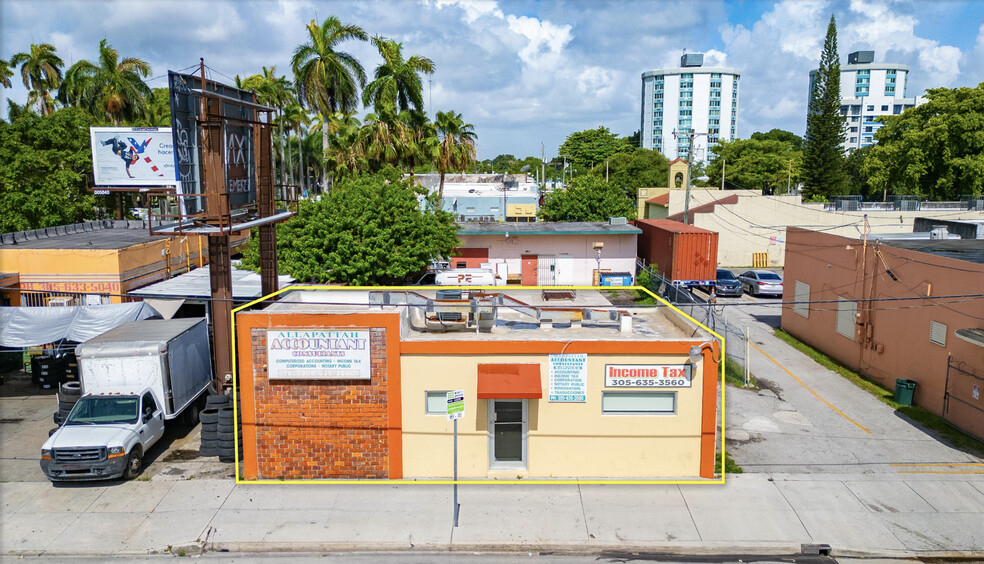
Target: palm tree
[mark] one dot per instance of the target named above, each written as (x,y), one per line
(113,88)
(5,74)
(456,149)
(328,80)
(272,91)
(397,85)
(41,72)
(420,141)
(346,157)
(384,139)
(295,118)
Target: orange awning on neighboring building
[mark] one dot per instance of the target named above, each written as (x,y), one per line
(509,381)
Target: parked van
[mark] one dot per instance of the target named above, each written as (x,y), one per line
(467,277)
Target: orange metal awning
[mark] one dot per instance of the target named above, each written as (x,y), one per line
(509,381)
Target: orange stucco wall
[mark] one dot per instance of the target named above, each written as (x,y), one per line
(891,338)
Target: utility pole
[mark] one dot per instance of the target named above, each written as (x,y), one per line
(724,163)
(606,171)
(789,179)
(690,169)
(543,164)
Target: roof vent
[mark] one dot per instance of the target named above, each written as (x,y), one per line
(617,221)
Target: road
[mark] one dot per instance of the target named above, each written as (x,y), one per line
(807,419)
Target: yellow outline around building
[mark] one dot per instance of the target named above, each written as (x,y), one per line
(235,395)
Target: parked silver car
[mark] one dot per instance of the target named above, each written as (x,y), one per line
(759,282)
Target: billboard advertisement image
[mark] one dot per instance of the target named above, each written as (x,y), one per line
(132,156)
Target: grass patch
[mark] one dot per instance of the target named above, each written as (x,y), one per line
(920,415)
(643,298)
(730,466)
(734,372)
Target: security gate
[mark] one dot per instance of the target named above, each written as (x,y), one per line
(546,270)
(963,399)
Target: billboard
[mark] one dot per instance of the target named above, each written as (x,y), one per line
(237,140)
(132,156)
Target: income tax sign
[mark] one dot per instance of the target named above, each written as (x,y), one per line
(648,375)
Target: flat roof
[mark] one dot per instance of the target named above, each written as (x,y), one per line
(547,228)
(197,285)
(525,316)
(969,250)
(102,235)
(692,70)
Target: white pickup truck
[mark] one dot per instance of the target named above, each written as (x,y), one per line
(104,437)
(134,378)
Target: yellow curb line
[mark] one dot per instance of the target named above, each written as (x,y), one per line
(809,389)
(943,464)
(941,472)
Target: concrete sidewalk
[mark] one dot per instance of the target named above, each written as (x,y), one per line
(873,514)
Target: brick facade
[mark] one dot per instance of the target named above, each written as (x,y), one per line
(318,429)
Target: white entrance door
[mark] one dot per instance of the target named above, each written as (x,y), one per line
(508,434)
(565,270)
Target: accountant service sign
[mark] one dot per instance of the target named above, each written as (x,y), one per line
(318,354)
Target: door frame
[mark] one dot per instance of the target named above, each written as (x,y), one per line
(509,465)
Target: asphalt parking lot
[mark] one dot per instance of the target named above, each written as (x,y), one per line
(26,419)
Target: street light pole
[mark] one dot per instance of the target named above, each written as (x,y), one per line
(690,169)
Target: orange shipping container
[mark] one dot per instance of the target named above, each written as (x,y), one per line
(678,251)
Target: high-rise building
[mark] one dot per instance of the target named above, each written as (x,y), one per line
(868,90)
(692,98)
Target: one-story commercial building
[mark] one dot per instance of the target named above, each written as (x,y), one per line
(354,384)
(549,254)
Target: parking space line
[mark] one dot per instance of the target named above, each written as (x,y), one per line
(809,389)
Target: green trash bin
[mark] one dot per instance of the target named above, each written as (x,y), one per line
(904,390)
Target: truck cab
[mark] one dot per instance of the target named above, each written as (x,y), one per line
(104,437)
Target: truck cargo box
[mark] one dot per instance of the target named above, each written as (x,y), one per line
(171,357)
(679,252)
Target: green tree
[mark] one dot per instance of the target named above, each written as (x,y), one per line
(858,181)
(41,73)
(823,155)
(935,150)
(273,91)
(587,198)
(641,168)
(420,142)
(5,74)
(365,231)
(756,164)
(113,88)
(585,149)
(45,163)
(795,141)
(328,80)
(456,146)
(397,85)
(158,110)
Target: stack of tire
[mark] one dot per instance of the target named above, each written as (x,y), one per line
(50,371)
(68,394)
(220,429)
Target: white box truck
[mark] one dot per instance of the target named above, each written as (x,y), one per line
(134,378)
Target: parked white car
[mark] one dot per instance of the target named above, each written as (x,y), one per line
(759,282)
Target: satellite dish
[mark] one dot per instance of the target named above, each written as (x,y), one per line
(526,168)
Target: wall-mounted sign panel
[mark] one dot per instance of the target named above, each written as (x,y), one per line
(132,156)
(648,375)
(318,354)
(568,378)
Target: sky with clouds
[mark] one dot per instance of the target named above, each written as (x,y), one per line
(528,72)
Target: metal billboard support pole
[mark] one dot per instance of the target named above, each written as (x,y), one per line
(748,360)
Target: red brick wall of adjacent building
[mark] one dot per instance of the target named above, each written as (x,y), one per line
(319,429)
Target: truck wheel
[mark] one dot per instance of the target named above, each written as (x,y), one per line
(190,416)
(134,464)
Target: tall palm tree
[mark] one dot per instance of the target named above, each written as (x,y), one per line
(41,72)
(397,86)
(456,149)
(295,119)
(272,91)
(420,141)
(113,88)
(328,80)
(5,74)
(384,139)
(346,156)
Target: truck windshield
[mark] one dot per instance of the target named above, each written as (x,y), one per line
(104,409)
